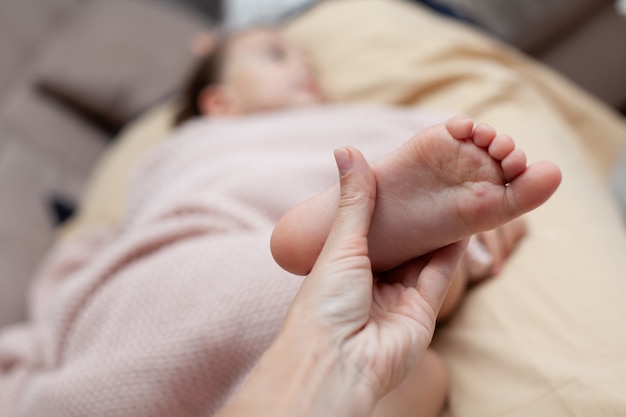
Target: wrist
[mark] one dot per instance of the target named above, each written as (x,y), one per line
(302,380)
(316,381)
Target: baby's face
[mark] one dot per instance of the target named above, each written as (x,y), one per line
(263,71)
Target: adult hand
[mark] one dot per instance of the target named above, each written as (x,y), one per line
(376,329)
(349,338)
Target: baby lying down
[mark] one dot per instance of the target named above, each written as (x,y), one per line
(167,315)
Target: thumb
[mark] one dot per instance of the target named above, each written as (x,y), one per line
(348,236)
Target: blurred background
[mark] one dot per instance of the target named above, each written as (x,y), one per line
(74,73)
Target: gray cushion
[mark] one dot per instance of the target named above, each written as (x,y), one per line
(515,20)
(25,26)
(119,57)
(54,129)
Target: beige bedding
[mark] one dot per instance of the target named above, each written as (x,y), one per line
(546,337)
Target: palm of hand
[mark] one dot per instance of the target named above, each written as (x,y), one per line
(377,330)
(392,335)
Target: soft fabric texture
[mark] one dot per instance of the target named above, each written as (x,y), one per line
(545,337)
(104,200)
(167,315)
(105,66)
(512,20)
(47,146)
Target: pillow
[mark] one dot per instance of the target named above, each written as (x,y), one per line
(118,57)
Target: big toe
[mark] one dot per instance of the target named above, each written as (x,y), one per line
(533,187)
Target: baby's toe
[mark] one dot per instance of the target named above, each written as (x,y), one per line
(513,164)
(460,127)
(483,135)
(501,146)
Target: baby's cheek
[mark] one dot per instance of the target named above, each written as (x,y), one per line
(278,96)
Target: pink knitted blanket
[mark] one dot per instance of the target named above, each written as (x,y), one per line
(167,315)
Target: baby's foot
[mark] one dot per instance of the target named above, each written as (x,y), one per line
(448,182)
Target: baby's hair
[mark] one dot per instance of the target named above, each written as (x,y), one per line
(207,72)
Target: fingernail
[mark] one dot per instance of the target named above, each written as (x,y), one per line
(344,160)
